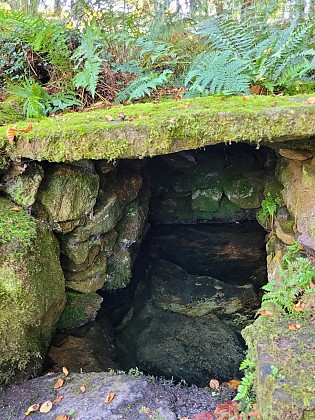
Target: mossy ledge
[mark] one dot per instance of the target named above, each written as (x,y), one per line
(169,126)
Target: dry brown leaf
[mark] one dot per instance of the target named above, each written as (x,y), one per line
(186,105)
(254,413)
(265,312)
(65,371)
(109,118)
(59,383)
(62,417)
(58,399)
(214,384)
(294,327)
(109,397)
(11,132)
(82,388)
(233,383)
(143,116)
(245,98)
(311,101)
(32,408)
(15,209)
(25,130)
(46,407)
(299,306)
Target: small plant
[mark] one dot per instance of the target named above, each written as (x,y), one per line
(245,393)
(296,285)
(269,208)
(275,374)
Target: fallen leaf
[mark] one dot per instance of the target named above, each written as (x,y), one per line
(15,209)
(186,105)
(299,306)
(214,384)
(245,98)
(109,397)
(11,132)
(294,327)
(32,408)
(204,415)
(109,118)
(311,100)
(71,412)
(58,399)
(46,407)
(233,383)
(65,371)
(265,312)
(254,413)
(82,388)
(227,410)
(143,116)
(255,90)
(61,417)
(59,383)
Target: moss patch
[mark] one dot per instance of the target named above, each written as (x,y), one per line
(17,228)
(31,292)
(10,112)
(153,129)
(285,386)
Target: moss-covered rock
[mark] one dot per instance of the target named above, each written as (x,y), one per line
(22,188)
(80,309)
(89,280)
(169,128)
(206,199)
(32,291)
(105,216)
(68,192)
(244,190)
(298,179)
(285,365)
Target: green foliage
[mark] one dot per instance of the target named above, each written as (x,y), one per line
(297,275)
(275,374)
(87,58)
(217,72)
(38,103)
(142,86)
(254,51)
(246,395)
(269,207)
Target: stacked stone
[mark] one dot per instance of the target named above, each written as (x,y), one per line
(220,184)
(98,211)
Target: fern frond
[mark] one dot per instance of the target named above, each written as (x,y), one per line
(216,72)
(142,85)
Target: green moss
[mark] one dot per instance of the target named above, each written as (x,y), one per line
(152,129)
(31,292)
(74,313)
(10,112)
(291,393)
(17,228)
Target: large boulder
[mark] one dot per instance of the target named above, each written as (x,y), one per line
(68,192)
(32,291)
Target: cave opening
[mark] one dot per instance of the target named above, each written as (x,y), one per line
(197,270)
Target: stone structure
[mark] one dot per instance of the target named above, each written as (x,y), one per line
(97,210)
